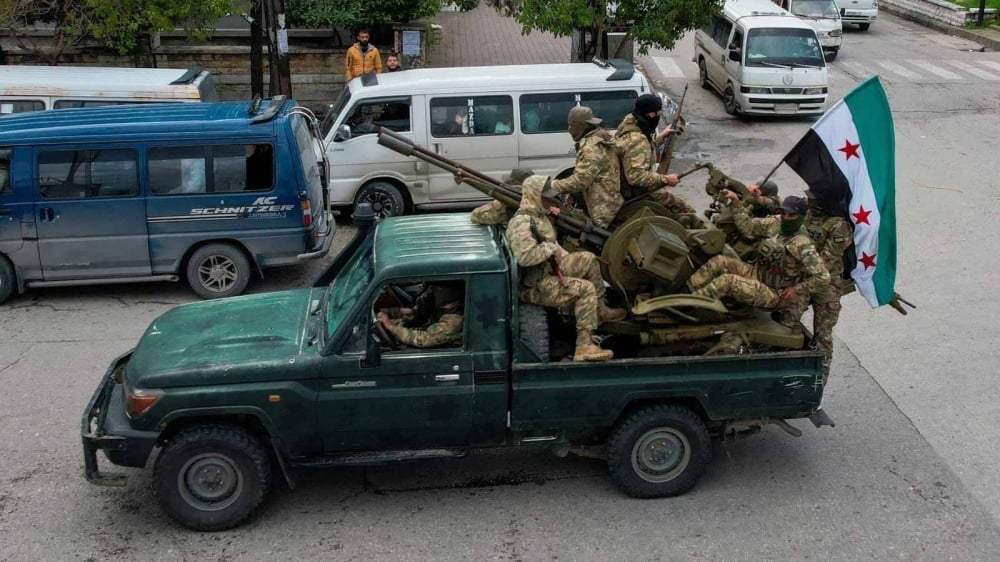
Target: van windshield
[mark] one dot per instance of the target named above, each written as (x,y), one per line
(815,8)
(776,46)
(334,112)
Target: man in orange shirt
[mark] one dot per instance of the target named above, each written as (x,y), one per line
(362,57)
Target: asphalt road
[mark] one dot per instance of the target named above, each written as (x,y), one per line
(877,486)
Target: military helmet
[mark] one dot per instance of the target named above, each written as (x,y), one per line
(770,188)
(517,176)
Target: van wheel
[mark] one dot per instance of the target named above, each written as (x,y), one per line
(729,100)
(385,199)
(218,270)
(212,477)
(864,26)
(659,451)
(7,279)
(703,74)
(829,56)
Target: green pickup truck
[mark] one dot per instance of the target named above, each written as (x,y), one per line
(240,391)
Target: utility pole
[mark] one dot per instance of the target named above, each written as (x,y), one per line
(257,49)
(277,41)
(982,13)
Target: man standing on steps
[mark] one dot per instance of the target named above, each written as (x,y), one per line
(362,57)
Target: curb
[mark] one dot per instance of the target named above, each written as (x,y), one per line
(990,43)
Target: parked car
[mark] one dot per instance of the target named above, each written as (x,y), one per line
(860,12)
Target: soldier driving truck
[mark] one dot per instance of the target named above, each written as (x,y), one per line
(434,320)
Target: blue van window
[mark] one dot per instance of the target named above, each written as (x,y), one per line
(85,174)
(4,170)
(182,170)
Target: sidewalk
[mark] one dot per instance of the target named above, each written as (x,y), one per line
(988,36)
(483,37)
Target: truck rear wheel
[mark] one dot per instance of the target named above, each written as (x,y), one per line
(218,270)
(659,451)
(7,279)
(212,477)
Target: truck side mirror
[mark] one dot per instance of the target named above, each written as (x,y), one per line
(373,351)
(343,133)
(734,53)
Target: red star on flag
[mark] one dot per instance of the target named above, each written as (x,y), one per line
(861,216)
(867,261)
(850,150)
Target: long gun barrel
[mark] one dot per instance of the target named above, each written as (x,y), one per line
(587,231)
(666,152)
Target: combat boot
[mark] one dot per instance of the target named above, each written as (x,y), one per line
(607,314)
(587,351)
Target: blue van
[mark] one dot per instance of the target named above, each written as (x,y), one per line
(210,192)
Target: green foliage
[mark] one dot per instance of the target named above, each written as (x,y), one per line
(352,14)
(117,23)
(649,23)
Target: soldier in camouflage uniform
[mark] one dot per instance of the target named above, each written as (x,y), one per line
(597,174)
(832,236)
(442,303)
(787,266)
(552,277)
(495,212)
(636,140)
(765,198)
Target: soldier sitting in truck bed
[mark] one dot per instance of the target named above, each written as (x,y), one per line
(435,319)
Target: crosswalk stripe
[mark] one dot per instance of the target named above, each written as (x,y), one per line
(973,70)
(857,68)
(936,70)
(668,67)
(992,64)
(899,69)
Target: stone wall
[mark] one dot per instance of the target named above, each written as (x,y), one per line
(933,10)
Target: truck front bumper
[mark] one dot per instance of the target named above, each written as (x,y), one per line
(105,426)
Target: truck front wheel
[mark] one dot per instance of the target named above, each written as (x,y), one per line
(8,280)
(212,477)
(658,451)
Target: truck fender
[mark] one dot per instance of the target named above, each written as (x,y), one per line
(693,399)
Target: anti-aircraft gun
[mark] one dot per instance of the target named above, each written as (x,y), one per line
(647,256)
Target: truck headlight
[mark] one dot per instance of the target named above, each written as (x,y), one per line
(875,5)
(836,33)
(138,401)
(814,91)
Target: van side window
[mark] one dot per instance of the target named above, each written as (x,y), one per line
(183,170)
(545,113)
(612,107)
(479,115)
(737,41)
(368,116)
(720,30)
(85,174)
(5,154)
(20,106)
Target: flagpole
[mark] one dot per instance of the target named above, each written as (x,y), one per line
(778,165)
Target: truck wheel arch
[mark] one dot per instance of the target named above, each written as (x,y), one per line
(637,403)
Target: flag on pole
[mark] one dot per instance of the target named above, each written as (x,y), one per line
(848,158)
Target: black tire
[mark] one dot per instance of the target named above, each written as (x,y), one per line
(703,74)
(647,432)
(8,280)
(729,100)
(830,56)
(385,198)
(864,26)
(230,459)
(216,271)
(533,321)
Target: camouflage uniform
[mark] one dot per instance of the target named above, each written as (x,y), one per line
(532,240)
(832,236)
(597,175)
(636,153)
(447,329)
(495,212)
(783,261)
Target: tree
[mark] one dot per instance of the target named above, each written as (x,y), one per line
(648,23)
(352,14)
(116,24)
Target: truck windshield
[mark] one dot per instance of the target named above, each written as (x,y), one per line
(334,112)
(815,8)
(783,46)
(347,287)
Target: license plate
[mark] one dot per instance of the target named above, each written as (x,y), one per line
(786,107)
(852,13)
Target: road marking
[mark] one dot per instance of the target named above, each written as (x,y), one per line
(948,75)
(989,63)
(899,69)
(857,69)
(668,67)
(973,70)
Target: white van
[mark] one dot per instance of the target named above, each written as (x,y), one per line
(37,88)
(762,59)
(824,17)
(862,12)
(491,118)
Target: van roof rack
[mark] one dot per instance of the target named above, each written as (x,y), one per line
(623,68)
(192,72)
(369,79)
(271,110)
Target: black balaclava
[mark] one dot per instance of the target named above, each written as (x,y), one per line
(647,103)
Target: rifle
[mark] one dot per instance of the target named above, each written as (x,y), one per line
(666,154)
(583,228)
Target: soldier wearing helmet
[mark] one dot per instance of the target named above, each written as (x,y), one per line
(495,212)
(597,173)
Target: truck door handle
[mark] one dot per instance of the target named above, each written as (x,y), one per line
(437,148)
(46,214)
(446,378)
